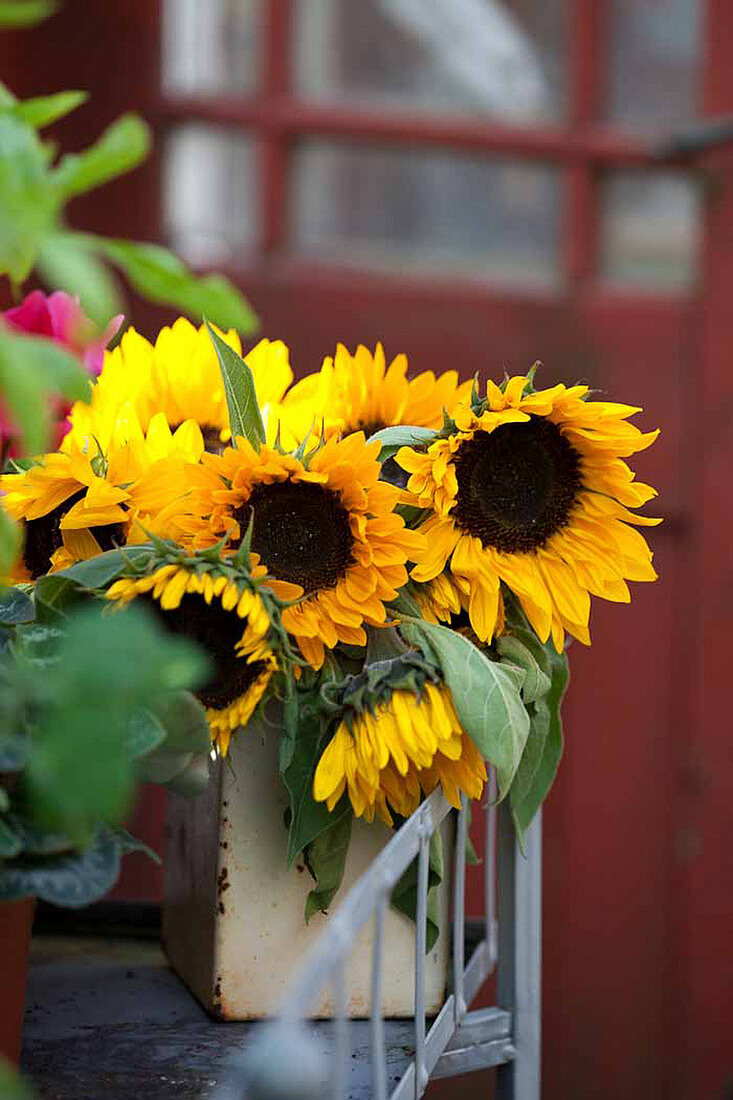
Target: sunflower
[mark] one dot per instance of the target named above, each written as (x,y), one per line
(530,489)
(180,377)
(226,611)
(326,524)
(360,392)
(398,745)
(77,503)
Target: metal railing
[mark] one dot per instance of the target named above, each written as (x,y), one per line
(286,1060)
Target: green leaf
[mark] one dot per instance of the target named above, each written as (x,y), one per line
(43,110)
(545,744)
(25,13)
(29,200)
(486,696)
(54,594)
(308,818)
(10,542)
(100,571)
(404,895)
(10,842)
(516,651)
(15,607)
(32,367)
(162,767)
(245,418)
(402,435)
(12,1085)
(74,879)
(122,146)
(193,779)
(161,277)
(14,750)
(142,732)
(325,858)
(66,264)
(183,720)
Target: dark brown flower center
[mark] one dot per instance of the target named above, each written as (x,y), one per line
(516,485)
(43,537)
(211,435)
(217,632)
(301,532)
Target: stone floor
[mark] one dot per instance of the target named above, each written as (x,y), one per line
(108,1020)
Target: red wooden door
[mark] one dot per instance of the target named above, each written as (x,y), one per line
(365,177)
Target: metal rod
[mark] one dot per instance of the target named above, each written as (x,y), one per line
(518,977)
(421,917)
(341,1053)
(490,871)
(379,1056)
(459,912)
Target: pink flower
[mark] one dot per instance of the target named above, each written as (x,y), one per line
(61,318)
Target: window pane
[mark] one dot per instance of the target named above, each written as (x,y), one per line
(210,46)
(504,58)
(650,231)
(428,212)
(654,61)
(210,198)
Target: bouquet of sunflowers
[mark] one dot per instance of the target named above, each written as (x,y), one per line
(394,564)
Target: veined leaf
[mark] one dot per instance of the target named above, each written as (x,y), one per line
(545,752)
(245,418)
(486,696)
(98,572)
(16,606)
(404,895)
(402,435)
(43,110)
(78,878)
(325,858)
(122,146)
(516,650)
(308,818)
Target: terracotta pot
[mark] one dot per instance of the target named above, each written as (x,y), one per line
(233,925)
(16,918)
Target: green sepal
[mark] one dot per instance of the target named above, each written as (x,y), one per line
(243,557)
(404,894)
(486,695)
(245,418)
(325,858)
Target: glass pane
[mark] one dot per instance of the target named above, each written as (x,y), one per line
(504,58)
(650,230)
(428,211)
(210,193)
(210,46)
(654,61)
